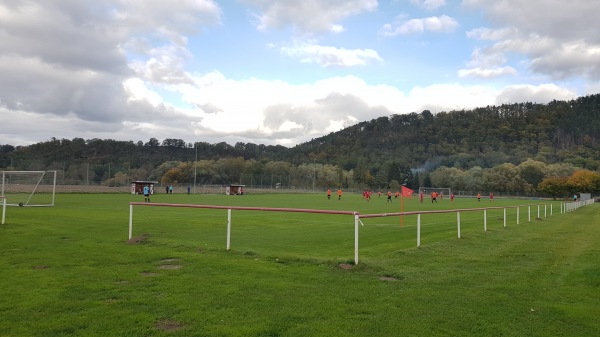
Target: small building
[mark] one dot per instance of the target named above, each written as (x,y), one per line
(234,189)
(137,187)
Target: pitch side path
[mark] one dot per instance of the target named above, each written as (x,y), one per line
(70,270)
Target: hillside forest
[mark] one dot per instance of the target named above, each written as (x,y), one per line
(526,148)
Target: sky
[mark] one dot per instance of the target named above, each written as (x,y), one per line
(278,71)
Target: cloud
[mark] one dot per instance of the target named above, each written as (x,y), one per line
(564,22)
(487,72)
(429,5)
(491,34)
(447,97)
(435,24)
(307,16)
(262,111)
(328,56)
(551,39)
(487,64)
(537,94)
(69,60)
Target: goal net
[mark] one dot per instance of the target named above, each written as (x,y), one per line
(29,188)
(443,192)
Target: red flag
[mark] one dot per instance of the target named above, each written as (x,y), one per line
(407,192)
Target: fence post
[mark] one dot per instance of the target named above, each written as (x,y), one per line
(505,217)
(528,213)
(550,209)
(356,220)
(458,222)
(538,211)
(3,210)
(130,221)
(545,211)
(228,228)
(418,230)
(485,220)
(518,211)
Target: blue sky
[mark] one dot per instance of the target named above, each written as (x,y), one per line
(278,72)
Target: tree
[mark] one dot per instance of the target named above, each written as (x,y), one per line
(171,142)
(503,178)
(427,181)
(393,172)
(361,174)
(532,172)
(554,186)
(473,179)
(451,177)
(380,179)
(153,142)
(584,181)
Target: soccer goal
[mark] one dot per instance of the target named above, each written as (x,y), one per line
(29,188)
(443,192)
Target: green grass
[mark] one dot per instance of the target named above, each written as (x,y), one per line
(69,271)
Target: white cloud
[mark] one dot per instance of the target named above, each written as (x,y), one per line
(308,16)
(435,24)
(554,18)
(328,56)
(555,39)
(491,34)
(537,94)
(487,72)
(447,97)
(138,91)
(429,4)
(487,64)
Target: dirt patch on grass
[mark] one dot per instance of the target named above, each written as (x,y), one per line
(345,266)
(388,279)
(136,240)
(168,325)
(170,266)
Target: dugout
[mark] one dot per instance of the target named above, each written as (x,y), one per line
(137,187)
(234,189)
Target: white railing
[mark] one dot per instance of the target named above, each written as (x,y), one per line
(565,207)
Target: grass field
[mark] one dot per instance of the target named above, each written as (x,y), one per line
(69,270)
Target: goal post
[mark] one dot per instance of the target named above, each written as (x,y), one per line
(442,191)
(29,188)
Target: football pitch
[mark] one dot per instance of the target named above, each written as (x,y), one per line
(70,270)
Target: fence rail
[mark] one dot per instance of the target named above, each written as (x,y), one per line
(564,207)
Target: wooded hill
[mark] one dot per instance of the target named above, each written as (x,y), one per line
(560,131)
(557,132)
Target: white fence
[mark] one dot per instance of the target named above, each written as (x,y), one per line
(565,207)
(3,209)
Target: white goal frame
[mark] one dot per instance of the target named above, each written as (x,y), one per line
(32,188)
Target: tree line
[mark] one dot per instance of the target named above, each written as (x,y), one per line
(501,148)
